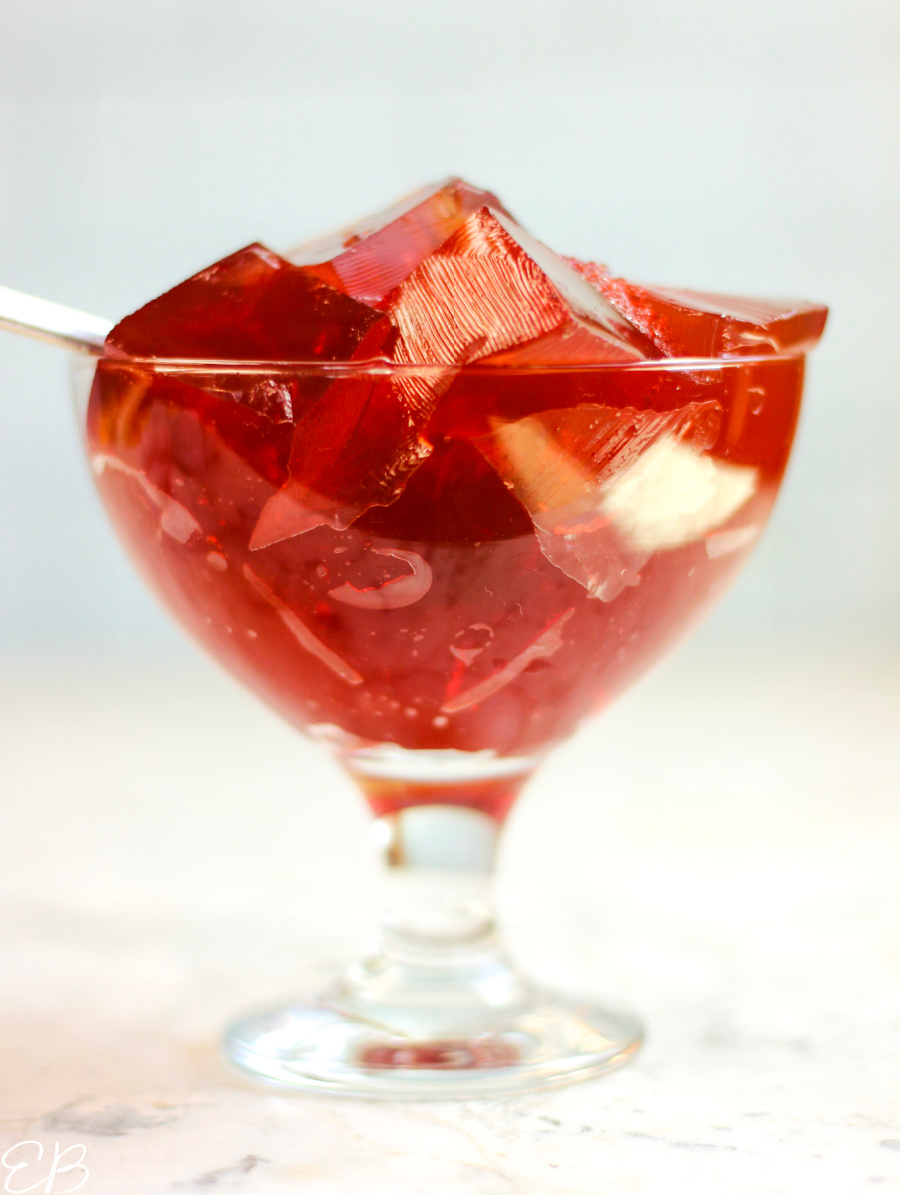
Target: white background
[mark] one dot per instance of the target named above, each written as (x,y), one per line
(744,147)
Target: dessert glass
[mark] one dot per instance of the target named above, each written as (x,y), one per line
(441,645)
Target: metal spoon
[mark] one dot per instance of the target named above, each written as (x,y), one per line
(52,322)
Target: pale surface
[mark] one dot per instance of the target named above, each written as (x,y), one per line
(721,851)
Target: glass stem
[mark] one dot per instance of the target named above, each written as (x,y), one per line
(435,971)
(438,879)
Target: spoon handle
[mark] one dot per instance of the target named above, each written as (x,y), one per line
(63,326)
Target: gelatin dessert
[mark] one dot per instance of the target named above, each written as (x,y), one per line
(429,486)
(437,494)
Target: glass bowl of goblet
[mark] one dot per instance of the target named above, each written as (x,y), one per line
(559,528)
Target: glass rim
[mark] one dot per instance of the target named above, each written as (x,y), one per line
(380,366)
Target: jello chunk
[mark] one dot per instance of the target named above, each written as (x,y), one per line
(371,257)
(607,487)
(355,448)
(491,286)
(688,323)
(253,305)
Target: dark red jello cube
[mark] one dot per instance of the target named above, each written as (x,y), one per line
(253,305)
(690,323)
(353,449)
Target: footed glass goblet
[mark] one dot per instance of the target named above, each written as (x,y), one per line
(568,524)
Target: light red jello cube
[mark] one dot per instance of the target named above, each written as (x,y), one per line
(492,287)
(369,258)
(252,305)
(689,323)
(608,487)
(488,288)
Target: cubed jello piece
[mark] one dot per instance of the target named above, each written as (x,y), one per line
(689,323)
(607,487)
(252,305)
(492,287)
(369,258)
(353,449)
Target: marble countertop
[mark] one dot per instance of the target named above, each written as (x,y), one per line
(720,851)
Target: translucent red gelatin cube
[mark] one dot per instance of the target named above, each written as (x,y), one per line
(164,416)
(556,460)
(371,257)
(689,323)
(252,305)
(608,487)
(490,287)
(355,448)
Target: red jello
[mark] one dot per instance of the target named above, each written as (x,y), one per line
(253,305)
(472,555)
(492,647)
(489,288)
(371,257)
(693,323)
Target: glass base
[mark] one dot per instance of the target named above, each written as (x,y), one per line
(428,1039)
